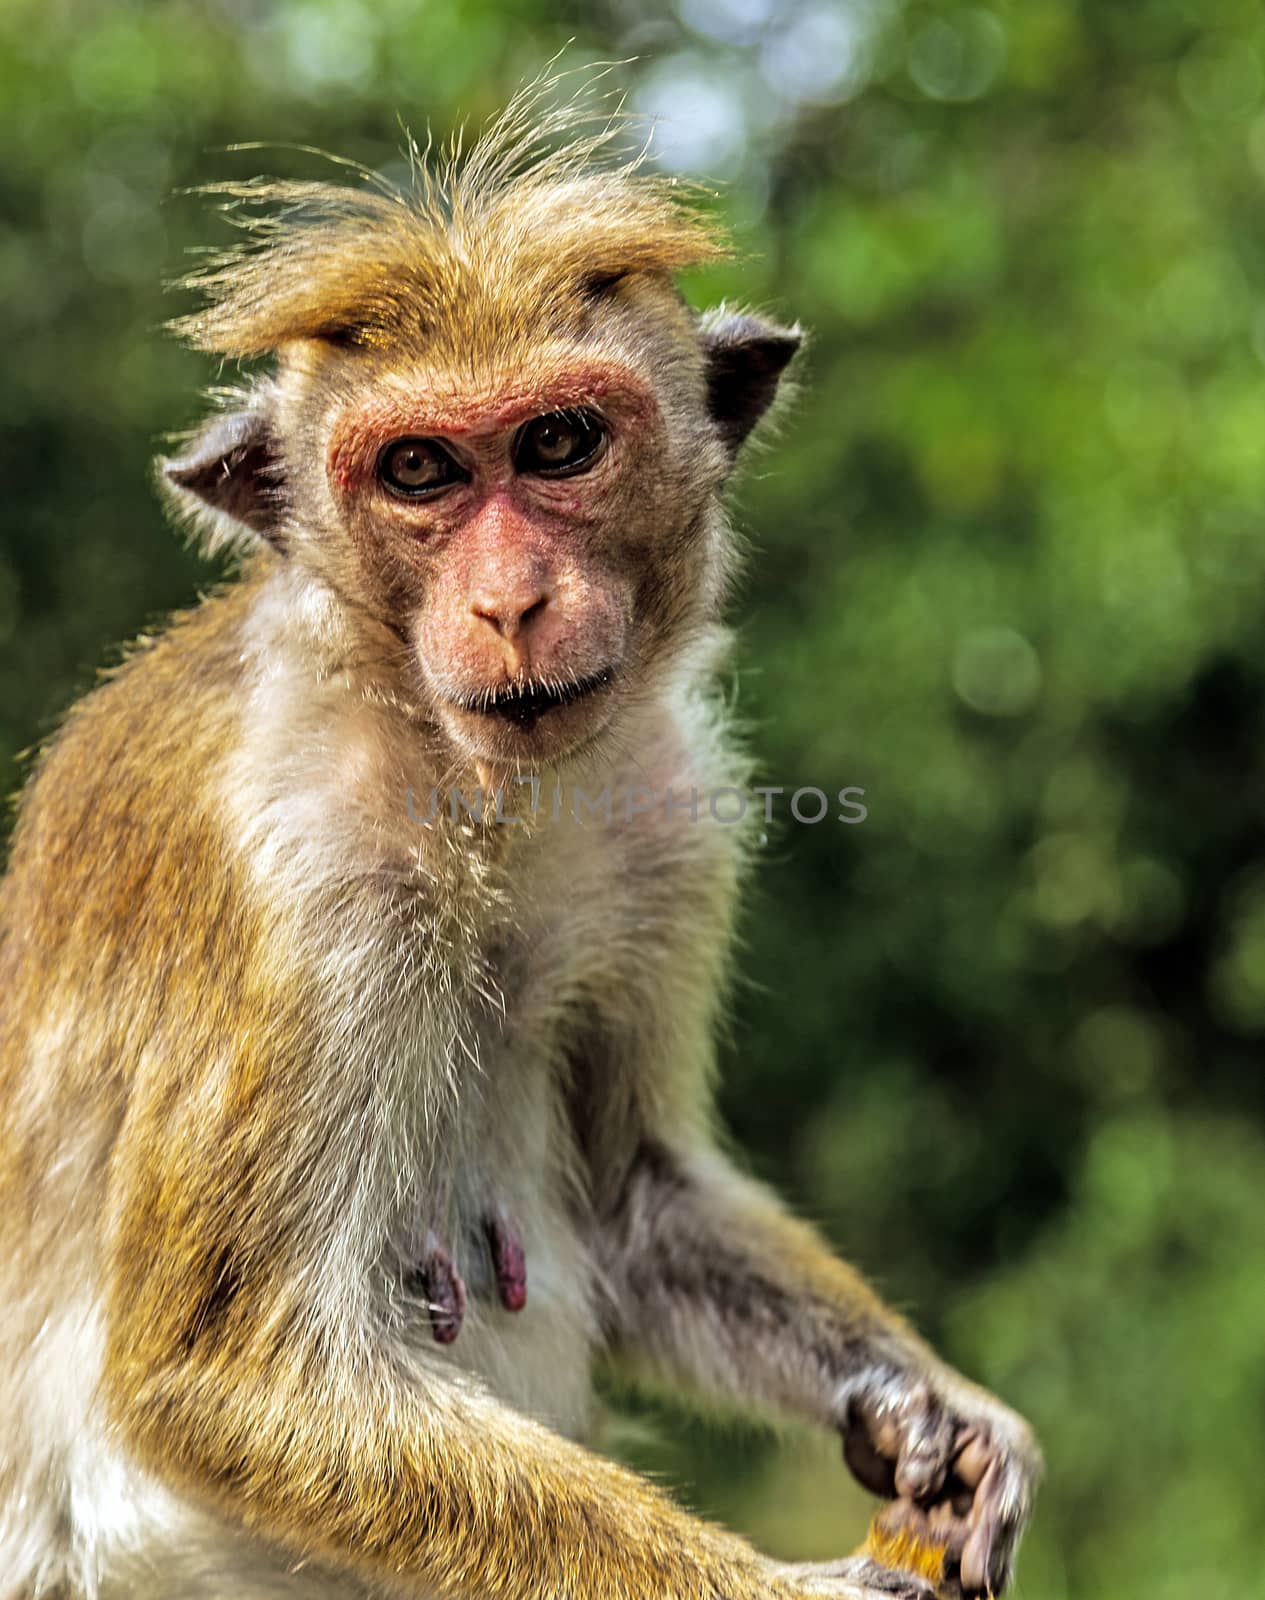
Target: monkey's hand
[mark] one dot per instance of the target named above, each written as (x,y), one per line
(856,1578)
(959,1467)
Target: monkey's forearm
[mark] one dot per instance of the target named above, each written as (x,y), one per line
(387,1472)
(717,1284)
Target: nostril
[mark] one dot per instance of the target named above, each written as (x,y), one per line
(508,616)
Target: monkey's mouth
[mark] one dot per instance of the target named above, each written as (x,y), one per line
(523,704)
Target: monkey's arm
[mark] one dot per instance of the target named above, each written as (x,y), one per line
(245,1361)
(716,1283)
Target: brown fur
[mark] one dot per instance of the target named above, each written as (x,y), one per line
(377,264)
(265,1039)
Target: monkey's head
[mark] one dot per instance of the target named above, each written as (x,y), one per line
(494,430)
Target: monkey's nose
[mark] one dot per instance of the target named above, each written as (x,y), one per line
(509,611)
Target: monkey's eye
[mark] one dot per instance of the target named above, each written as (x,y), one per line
(559,444)
(418,467)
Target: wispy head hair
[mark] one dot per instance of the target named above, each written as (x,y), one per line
(552,203)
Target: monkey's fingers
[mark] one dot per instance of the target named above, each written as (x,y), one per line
(900,1445)
(999,1508)
(870,1448)
(928,1441)
(975,1521)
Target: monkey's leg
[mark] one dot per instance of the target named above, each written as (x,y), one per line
(192,1555)
(718,1284)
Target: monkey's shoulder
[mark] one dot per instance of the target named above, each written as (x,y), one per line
(121,779)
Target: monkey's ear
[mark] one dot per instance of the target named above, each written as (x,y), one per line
(745,357)
(232,469)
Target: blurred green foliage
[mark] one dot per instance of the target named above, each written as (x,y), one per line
(1007,573)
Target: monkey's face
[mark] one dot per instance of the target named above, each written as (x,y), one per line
(536,539)
(535,516)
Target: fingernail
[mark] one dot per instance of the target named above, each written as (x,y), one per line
(974,1564)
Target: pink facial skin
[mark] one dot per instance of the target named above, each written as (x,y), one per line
(476,419)
(503,579)
(508,1260)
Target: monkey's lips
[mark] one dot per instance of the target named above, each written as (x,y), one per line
(522,705)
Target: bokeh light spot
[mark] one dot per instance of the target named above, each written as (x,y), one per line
(997,672)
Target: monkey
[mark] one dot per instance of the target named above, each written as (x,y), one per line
(339,1149)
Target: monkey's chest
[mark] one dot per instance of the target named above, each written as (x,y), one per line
(515,1291)
(502,1279)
